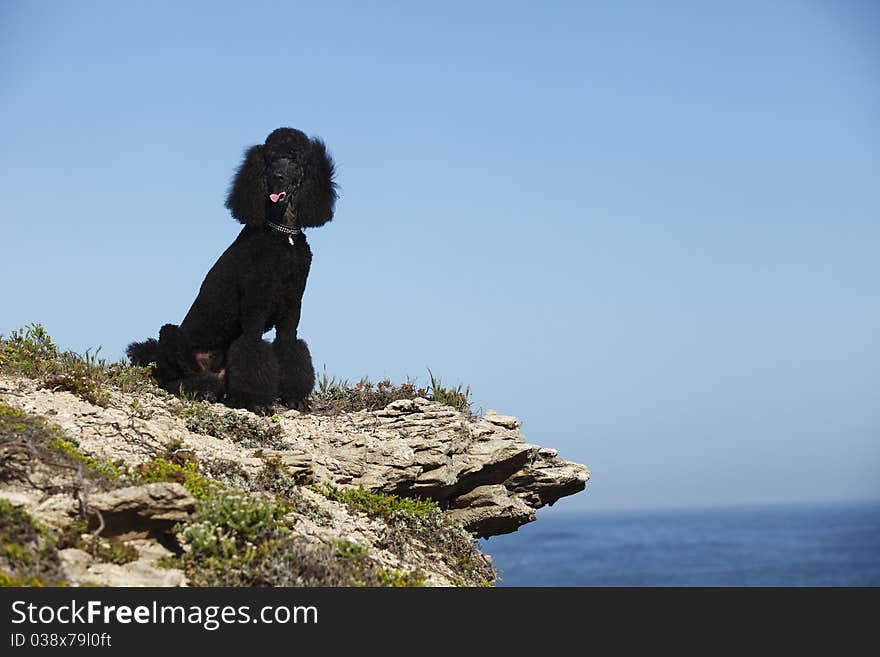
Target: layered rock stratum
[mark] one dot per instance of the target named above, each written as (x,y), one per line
(484,476)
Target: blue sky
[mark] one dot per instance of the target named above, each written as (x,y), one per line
(650,232)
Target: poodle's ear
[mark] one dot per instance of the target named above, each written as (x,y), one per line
(317,196)
(247,193)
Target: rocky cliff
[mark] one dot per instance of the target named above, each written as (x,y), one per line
(141,488)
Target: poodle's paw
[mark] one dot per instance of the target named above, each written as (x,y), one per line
(254,407)
(261,409)
(301,405)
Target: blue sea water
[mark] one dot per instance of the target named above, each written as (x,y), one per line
(823,545)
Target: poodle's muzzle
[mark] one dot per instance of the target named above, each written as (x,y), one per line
(283,179)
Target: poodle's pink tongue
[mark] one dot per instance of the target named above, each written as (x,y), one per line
(277,197)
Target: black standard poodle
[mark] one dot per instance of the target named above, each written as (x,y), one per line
(218,352)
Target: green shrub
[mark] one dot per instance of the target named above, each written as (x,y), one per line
(187,474)
(455,397)
(333,396)
(241,540)
(104,549)
(454,546)
(236,539)
(400,578)
(377,504)
(349,549)
(248,431)
(28,553)
(241,519)
(78,382)
(113,550)
(26,440)
(30,351)
(96,467)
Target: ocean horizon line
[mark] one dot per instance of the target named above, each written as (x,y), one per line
(721,506)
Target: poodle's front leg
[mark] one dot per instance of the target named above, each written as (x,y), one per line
(251,373)
(296,375)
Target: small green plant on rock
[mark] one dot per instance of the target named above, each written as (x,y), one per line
(28,552)
(96,467)
(333,396)
(176,464)
(113,550)
(158,469)
(349,549)
(377,504)
(457,398)
(105,549)
(84,376)
(29,351)
(230,534)
(28,441)
(400,578)
(248,431)
(248,540)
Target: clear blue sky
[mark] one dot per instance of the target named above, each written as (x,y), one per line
(650,230)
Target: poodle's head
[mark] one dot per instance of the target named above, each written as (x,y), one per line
(289,180)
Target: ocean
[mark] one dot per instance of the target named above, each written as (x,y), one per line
(798,545)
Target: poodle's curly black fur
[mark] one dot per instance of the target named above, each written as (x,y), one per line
(218,351)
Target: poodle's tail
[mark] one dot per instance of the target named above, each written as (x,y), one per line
(144,353)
